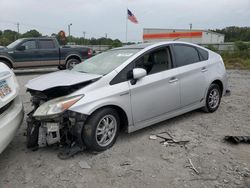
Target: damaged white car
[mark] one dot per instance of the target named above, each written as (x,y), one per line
(11,107)
(130,87)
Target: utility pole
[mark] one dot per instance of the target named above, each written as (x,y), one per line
(190,26)
(17,24)
(69,29)
(106,35)
(84,33)
(18,27)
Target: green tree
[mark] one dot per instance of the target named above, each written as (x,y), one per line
(234,33)
(31,33)
(7,37)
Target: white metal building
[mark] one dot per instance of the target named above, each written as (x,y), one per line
(194,36)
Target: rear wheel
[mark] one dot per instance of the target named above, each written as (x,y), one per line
(71,63)
(101,129)
(213,98)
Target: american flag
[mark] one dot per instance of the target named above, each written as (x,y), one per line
(132,17)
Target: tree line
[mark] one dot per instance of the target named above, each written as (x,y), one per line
(9,36)
(232,34)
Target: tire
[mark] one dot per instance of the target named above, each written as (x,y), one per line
(94,130)
(213,98)
(6,63)
(71,63)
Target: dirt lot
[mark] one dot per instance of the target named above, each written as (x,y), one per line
(136,161)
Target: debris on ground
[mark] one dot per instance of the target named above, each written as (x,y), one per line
(167,139)
(192,166)
(237,139)
(84,165)
(125,163)
(152,137)
(68,152)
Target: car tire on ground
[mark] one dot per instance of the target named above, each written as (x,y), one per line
(213,98)
(101,129)
(71,63)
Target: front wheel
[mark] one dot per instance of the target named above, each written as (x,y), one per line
(213,98)
(101,129)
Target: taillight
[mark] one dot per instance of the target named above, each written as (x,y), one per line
(89,52)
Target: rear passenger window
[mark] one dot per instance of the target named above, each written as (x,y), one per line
(46,44)
(185,55)
(203,54)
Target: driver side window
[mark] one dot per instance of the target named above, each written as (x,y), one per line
(29,45)
(155,61)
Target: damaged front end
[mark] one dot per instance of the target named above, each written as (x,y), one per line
(51,122)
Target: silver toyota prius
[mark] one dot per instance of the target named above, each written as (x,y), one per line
(131,87)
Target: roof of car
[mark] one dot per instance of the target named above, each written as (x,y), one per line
(145,45)
(136,46)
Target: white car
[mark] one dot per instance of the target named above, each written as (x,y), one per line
(11,107)
(130,87)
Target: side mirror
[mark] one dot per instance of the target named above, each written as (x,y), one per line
(139,73)
(20,48)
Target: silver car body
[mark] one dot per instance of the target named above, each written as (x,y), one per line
(153,98)
(11,107)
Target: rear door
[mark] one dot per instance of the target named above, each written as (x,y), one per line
(48,52)
(157,93)
(192,70)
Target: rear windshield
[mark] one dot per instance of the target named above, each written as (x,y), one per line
(105,62)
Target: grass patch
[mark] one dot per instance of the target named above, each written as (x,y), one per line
(237,59)
(237,63)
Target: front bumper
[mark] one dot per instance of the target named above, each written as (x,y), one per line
(10,121)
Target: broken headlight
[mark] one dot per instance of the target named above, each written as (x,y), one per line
(56,106)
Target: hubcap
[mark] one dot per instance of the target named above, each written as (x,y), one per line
(106,130)
(71,65)
(213,98)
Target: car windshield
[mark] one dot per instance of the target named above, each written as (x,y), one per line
(105,62)
(13,44)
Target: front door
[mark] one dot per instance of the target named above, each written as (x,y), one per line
(157,93)
(26,54)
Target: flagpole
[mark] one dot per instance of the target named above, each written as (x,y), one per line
(127,25)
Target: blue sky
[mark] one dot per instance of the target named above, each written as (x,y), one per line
(97,17)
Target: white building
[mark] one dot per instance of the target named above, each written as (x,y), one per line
(194,36)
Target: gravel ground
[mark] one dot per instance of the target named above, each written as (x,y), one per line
(137,161)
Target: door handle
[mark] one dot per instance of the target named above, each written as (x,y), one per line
(204,69)
(173,79)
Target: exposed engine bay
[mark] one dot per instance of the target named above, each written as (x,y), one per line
(64,130)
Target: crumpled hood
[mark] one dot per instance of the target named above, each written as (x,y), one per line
(60,78)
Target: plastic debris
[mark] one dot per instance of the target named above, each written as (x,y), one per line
(84,165)
(152,137)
